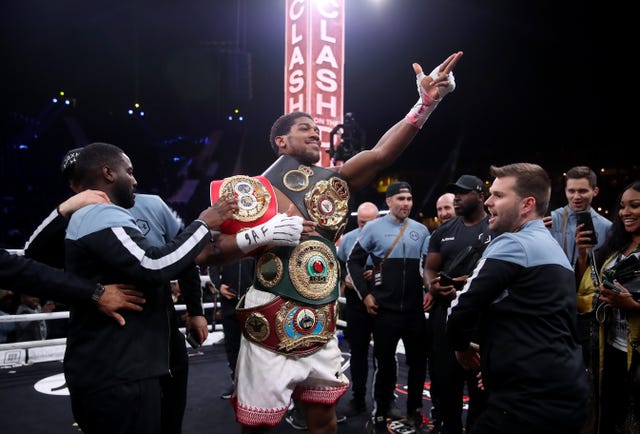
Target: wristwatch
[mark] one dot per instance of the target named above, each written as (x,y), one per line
(97,293)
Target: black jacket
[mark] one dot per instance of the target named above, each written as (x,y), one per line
(104,244)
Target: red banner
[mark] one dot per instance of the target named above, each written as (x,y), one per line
(314,63)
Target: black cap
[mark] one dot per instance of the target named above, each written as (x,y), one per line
(69,162)
(398,187)
(466,182)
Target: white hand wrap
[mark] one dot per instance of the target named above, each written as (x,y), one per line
(421,111)
(280,230)
(442,90)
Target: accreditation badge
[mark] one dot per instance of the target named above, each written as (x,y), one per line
(256,201)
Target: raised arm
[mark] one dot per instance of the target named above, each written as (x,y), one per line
(360,170)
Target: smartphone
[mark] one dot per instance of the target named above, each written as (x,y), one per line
(445,279)
(609,285)
(584,217)
(192,341)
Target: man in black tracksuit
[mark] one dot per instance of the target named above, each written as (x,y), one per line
(523,294)
(114,374)
(159,225)
(396,245)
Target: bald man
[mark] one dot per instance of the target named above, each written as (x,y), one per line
(359,323)
(444,207)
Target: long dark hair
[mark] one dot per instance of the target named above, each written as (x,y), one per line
(617,237)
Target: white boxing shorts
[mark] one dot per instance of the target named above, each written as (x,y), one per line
(266,381)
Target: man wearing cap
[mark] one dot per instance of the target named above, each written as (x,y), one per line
(396,245)
(468,228)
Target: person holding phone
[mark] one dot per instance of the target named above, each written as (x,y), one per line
(617,382)
(581,188)
(467,230)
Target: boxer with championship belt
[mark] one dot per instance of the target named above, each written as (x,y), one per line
(274,367)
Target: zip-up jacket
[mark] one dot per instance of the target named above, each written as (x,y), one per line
(158,223)
(104,244)
(524,294)
(401,288)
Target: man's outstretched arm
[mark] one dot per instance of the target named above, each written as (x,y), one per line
(360,170)
(27,276)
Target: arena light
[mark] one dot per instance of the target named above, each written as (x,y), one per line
(235,115)
(61,98)
(136,110)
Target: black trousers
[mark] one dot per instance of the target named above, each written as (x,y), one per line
(174,385)
(620,399)
(127,408)
(448,378)
(497,421)
(389,328)
(232,331)
(358,334)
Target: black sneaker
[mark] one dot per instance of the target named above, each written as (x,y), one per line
(355,407)
(295,418)
(227,392)
(391,413)
(419,422)
(394,413)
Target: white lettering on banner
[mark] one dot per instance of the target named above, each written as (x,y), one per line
(323,32)
(296,58)
(331,104)
(296,103)
(296,9)
(295,37)
(296,79)
(326,12)
(327,80)
(326,55)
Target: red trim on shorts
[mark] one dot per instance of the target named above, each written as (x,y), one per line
(251,416)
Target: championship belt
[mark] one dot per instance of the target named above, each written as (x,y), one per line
(256,201)
(328,203)
(319,194)
(308,272)
(288,326)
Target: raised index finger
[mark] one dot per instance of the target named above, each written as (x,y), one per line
(448,65)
